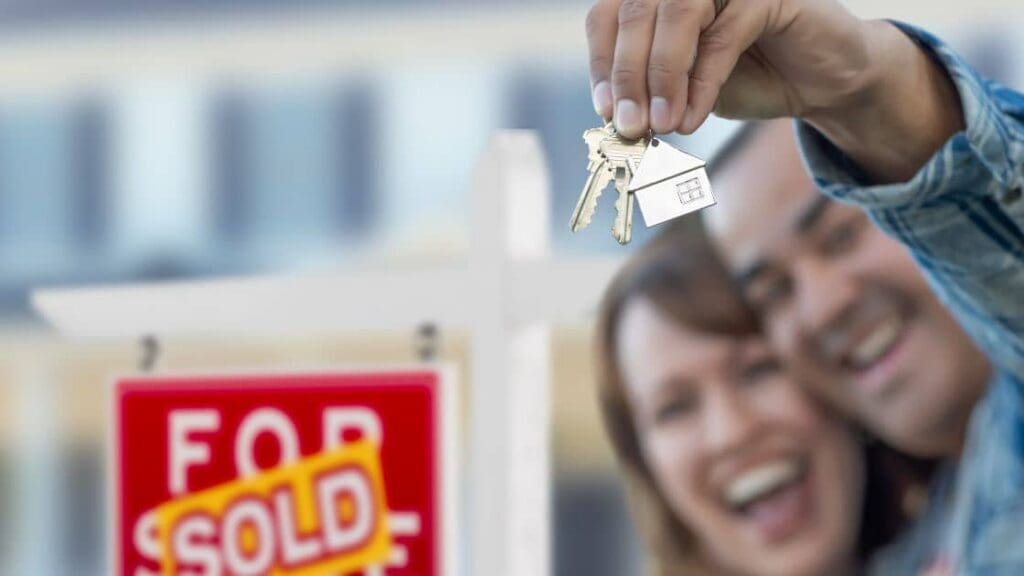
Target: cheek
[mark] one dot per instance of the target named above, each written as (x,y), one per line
(885,261)
(674,461)
(884,258)
(810,373)
(786,403)
(783,334)
(842,477)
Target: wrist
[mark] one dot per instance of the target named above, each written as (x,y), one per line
(901,107)
(866,80)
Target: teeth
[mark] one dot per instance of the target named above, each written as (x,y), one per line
(872,347)
(761,481)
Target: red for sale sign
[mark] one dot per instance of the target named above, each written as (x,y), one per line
(284,474)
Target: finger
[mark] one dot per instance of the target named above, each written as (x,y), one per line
(602,29)
(676,33)
(735,30)
(629,72)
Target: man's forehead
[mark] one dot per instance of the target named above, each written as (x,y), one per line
(765,196)
(767,166)
(785,223)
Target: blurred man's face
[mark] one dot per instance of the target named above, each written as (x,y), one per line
(845,304)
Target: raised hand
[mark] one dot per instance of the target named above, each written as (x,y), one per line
(666,64)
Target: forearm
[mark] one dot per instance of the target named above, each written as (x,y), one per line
(906,107)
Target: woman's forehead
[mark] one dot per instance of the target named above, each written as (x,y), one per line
(654,347)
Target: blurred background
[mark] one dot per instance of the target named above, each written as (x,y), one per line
(153,140)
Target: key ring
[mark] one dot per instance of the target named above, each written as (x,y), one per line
(648,137)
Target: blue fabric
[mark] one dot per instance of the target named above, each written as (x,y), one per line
(962,217)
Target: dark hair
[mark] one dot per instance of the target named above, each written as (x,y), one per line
(892,477)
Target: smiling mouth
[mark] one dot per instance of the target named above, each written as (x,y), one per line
(774,499)
(877,344)
(874,361)
(761,482)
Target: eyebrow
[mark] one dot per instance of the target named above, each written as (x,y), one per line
(805,220)
(672,383)
(811,214)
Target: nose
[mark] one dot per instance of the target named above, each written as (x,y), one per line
(730,421)
(823,294)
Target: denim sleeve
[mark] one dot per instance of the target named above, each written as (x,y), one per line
(962,214)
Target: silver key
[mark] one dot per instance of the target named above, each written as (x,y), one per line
(625,153)
(610,156)
(601,172)
(626,156)
(622,229)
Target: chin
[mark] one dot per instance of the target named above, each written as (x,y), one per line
(804,558)
(931,427)
(812,564)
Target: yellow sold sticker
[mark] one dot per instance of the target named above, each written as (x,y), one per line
(324,514)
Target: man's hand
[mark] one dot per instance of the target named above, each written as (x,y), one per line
(666,64)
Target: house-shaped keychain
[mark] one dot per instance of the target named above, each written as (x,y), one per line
(670,183)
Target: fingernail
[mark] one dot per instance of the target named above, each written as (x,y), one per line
(603,99)
(661,115)
(627,117)
(689,120)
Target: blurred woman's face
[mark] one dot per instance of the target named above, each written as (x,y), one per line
(768,482)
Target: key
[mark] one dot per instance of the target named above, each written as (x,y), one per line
(601,172)
(597,181)
(625,153)
(622,229)
(609,157)
(670,183)
(625,156)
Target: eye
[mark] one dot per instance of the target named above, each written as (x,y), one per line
(761,369)
(675,407)
(842,237)
(770,291)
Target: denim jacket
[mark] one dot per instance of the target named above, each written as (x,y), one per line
(962,217)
